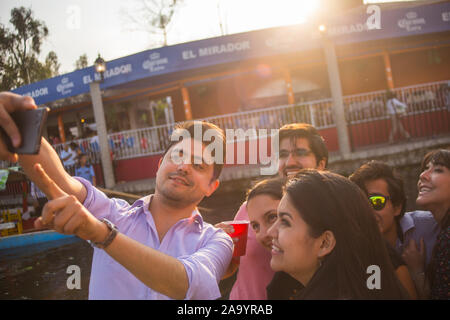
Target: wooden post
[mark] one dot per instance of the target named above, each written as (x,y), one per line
(388,70)
(289,89)
(186,102)
(62,134)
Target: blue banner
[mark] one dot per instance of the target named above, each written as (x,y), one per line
(370,22)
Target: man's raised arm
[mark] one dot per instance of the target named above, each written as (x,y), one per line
(65,214)
(47,157)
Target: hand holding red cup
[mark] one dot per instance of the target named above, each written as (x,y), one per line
(238,233)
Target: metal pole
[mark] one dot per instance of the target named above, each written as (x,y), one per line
(99,116)
(336,94)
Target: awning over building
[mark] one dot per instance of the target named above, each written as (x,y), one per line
(371,22)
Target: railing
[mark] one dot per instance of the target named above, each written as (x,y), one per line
(154,140)
(427,114)
(371,106)
(367,120)
(316,112)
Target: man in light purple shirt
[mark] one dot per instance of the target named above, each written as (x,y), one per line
(158,248)
(203,250)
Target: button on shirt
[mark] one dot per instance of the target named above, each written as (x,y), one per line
(416,225)
(204,250)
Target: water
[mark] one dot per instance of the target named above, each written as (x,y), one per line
(40,271)
(43,274)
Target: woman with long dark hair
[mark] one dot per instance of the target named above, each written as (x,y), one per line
(326,237)
(434,195)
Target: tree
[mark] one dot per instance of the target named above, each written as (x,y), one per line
(51,64)
(82,62)
(20,48)
(153,16)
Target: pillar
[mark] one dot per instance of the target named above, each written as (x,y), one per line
(336,94)
(99,115)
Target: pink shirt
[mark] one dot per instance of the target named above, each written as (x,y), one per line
(254,272)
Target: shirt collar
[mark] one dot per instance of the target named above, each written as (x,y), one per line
(407,223)
(195,219)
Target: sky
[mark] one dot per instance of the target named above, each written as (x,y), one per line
(92,27)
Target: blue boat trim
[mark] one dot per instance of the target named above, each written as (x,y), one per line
(28,239)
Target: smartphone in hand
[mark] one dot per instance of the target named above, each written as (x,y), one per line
(31,125)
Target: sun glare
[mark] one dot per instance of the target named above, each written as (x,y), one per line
(298,11)
(267,14)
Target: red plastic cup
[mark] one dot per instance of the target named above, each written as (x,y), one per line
(240,232)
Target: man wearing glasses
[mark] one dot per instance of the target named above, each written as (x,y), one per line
(300,147)
(411,234)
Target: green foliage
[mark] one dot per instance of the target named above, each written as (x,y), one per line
(82,62)
(20,48)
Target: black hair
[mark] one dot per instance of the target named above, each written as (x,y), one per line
(189,126)
(374,170)
(328,201)
(272,187)
(310,133)
(441,157)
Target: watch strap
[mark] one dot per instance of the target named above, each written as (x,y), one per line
(111,236)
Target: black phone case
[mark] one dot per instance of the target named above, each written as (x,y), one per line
(31,125)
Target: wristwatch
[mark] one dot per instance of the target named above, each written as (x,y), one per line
(112,234)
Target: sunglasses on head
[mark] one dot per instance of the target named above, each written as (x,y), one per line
(378,202)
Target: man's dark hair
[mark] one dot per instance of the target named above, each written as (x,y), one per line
(374,170)
(189,126)
(308,132)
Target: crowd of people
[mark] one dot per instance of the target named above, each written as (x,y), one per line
(77,163)
(313,234)
(409,239)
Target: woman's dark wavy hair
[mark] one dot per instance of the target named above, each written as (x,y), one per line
(438,157)
(327,201)
(441,157)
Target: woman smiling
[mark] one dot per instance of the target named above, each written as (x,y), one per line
(434,195)
(326,237)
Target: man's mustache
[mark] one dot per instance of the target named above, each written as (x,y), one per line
(180,175)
